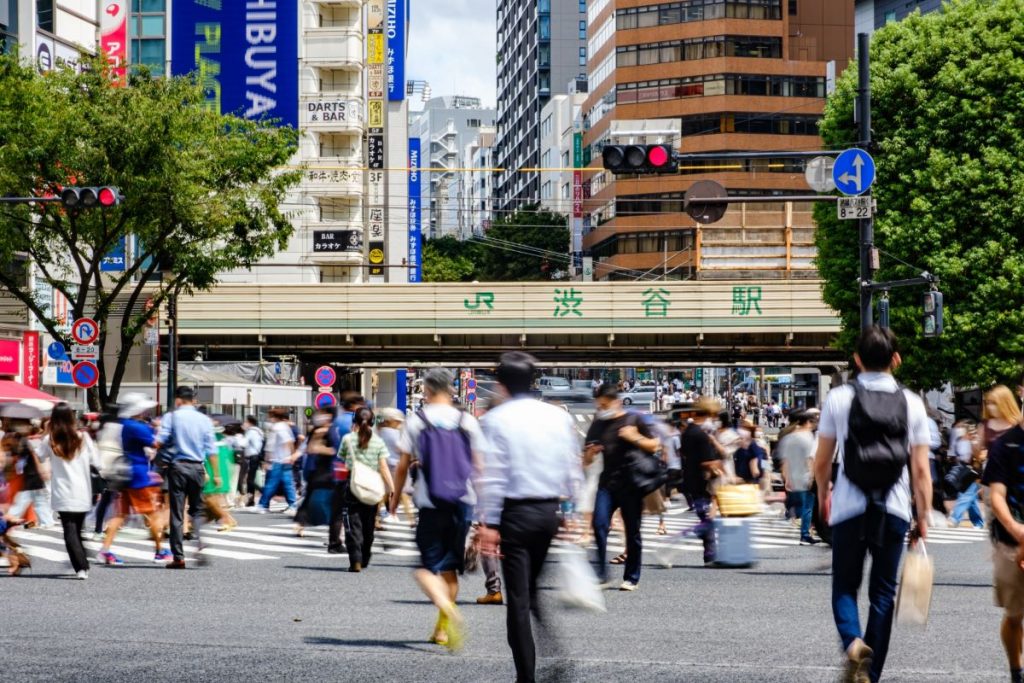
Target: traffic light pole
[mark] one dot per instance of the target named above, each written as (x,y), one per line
(866,225)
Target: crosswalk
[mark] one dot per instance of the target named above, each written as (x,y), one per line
(277,540)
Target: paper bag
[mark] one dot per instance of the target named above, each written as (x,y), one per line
(914,598)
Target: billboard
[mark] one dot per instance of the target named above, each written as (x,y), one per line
(415,213)
(395,62)
(246,55)
(114,36)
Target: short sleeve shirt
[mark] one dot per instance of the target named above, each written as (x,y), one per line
(1005,460)
(848,501)
(375,451)
(614,447)
(442,417)
(697,449)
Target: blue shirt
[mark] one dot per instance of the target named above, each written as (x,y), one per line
(193,434)
(341,426)
(136,436)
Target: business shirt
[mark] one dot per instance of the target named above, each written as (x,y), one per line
(532,453)
(193,434)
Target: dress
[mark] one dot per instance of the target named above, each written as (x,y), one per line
(225,461)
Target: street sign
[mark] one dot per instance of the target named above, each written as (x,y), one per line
(855,208)
(308,412)
(471,397)
(85,352)
(854,172)
(325,400)
(85,330)
(819,174)
(151,336)
(471,384)
(85,374)
(325,376)
(56,351)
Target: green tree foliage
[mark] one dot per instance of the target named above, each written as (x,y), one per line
(948,121)
(202,194)
(447,259)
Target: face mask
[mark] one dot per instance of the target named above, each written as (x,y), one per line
(268,425)
(606,414)
(320,420)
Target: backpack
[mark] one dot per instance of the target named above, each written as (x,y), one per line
(446,460)
(115,468)
(875,452)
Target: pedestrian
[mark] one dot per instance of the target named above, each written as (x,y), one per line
(1006,487)
(315,509)
(526,473)
(341,425)
(190,434)
(702,464)
(281,454)
(31,495)
(881,431)
(390,430)
(218,481)
(796,453)
(615,433)
(966,500)
(362,447)
(141,492)
(447,446)
(71,454)
(750,456)
(250,464)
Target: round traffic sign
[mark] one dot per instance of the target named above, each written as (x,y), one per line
(56,351)
(854,172)
(325,376)
(471,384)
(85,374)
(85,330)
(701,212)
(325,400)
(309,412)
(819,174)
(471,397)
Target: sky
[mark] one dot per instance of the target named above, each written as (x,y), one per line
(452,46)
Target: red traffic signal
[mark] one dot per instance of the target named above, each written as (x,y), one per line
(639,159)
(89,197)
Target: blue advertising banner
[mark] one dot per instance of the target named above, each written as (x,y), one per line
(395,59)
(246,55)
(415,213)
(114,261)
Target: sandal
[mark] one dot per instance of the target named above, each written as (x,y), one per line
(440,634)
(662,531)
(619,559)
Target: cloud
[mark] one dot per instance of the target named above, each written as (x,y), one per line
(452,46)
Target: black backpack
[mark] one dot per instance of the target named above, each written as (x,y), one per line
(876,452)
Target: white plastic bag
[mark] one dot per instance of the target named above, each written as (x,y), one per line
(914,598)
(578,585)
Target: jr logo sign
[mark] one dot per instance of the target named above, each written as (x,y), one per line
(482,304)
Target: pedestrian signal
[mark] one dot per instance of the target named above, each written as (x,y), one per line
(89,197)
(932,314)
(640,159)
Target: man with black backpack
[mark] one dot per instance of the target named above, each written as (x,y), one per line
(881,431)
(447,446)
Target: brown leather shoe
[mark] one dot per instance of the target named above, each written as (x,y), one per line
(176,564)
(491,599)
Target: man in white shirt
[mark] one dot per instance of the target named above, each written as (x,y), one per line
(533,461)
(281,455)
(876,522)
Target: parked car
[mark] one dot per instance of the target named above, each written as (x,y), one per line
(641,395)
(561,389)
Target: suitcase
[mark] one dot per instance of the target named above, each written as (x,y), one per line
(734,543)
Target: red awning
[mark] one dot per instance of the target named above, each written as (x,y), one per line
(15,391)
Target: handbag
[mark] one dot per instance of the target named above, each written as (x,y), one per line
(914,599)
(645,472)
(365,483)
(738,500)
(959,478)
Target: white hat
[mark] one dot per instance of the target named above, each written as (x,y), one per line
(133,404)
(388,414)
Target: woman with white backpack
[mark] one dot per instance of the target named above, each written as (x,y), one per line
(366,456)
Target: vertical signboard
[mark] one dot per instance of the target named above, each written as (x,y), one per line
(114,36)
(246,55)
(30,358)
(10,357)
(396,50)
(375,112)
(415,214)
(114,261)
(577,200)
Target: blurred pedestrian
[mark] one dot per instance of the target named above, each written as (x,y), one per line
(702,465)
(250,465)
(218,481)
(361,447)
(281,452)
(796,453)
(315,509)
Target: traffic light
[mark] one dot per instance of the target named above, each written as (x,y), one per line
(640,159)
(932,314)
(90,197)
(883,312)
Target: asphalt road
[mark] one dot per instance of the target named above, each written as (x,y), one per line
(300,616)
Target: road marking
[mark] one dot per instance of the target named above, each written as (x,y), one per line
(580,417)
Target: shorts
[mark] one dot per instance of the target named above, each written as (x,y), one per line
(143,501)
(441,538)
(1007,580)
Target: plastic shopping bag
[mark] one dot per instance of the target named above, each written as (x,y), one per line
(914,598)
(578,585)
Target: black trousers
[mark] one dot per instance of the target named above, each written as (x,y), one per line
(101,509)
(72,523)
(185,483)
(248,468)
(527,529)
(359,530)
(338,508)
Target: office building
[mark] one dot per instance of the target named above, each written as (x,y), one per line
(728,75)
(557,125)
(478,205)
(542,47)
(874,14)
(445,127)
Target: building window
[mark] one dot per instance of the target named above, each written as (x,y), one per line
(544,6)
(890,16)
(544,55)
(583,29)
(44,15)
(792,8)
(696,10)
(762,124)
(544,27)
(545,190)
(583,56)
(151,25)
(149,5)
(708,47)
(472,123)
(583,6)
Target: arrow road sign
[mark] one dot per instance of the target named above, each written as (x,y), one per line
(85,330)
(325,376)
(85,374)
(854,172)
(56,351)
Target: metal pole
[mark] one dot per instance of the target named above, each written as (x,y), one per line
(867,225)
(172,349)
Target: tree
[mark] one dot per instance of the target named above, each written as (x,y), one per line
(202,195)
(948,122)
(529,244)
(447,259)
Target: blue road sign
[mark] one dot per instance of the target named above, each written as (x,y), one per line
(85,374)
(325,400)
(854,172)
(56,351)
(325,376)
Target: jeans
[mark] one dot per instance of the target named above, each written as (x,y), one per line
(185,484)
(632,505)
(492,578)
(73,523)
(101,509)
(968,502)
(279,477)
(849,548)
(802,503)
(39,499)
(705,529)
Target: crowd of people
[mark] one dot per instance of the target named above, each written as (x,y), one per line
(861,473)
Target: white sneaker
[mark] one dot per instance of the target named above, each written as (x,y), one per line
(82,575)
(260,510)
(290,511)
(628,586)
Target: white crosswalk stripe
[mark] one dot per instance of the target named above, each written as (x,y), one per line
(249,542)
